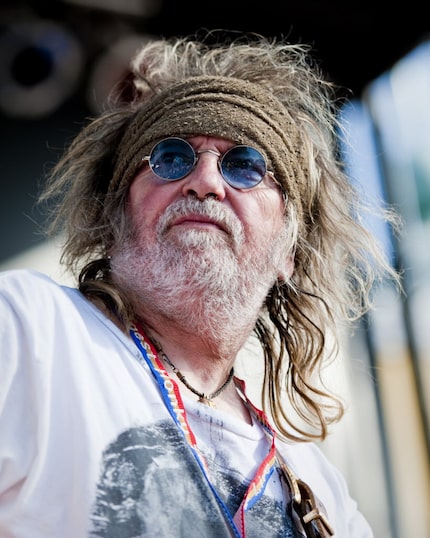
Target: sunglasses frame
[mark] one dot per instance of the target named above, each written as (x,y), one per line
(220,160)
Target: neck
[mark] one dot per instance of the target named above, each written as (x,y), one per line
(206,398)
(215,383)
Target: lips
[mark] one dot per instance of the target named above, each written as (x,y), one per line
(198,220)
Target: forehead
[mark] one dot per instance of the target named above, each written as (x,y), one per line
(205,141)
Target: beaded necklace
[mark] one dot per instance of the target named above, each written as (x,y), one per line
(203,398)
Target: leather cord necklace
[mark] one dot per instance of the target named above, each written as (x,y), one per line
(203,398)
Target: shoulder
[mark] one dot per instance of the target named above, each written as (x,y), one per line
(25,281)
(39,314)
(310,464)
(308,458)
(34,295)
(33,300)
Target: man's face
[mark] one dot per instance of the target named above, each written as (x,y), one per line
(199,240)
(258,211)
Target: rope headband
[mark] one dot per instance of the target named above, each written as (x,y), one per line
(224,107)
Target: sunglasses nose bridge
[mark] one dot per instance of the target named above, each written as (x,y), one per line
(220,159)
(217,154)
(212,151)
(206,182)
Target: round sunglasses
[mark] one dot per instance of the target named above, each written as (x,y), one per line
(173,158)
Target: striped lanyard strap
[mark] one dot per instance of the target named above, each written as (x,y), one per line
(173,401)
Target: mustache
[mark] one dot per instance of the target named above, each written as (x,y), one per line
(209,208)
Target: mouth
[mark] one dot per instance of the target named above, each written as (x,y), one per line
(198,222)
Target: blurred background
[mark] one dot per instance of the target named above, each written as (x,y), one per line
(58,60)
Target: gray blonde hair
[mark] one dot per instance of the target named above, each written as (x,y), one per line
(337,261)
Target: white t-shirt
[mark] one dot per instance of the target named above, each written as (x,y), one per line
(89,449)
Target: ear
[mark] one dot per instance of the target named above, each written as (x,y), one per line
(287,269)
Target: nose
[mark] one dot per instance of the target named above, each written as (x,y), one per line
(205,180)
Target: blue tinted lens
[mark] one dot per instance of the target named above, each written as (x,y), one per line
(172,158)
(243,167)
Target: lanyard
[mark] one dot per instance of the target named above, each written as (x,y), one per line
(174,404)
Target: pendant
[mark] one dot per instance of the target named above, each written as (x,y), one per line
(205,400)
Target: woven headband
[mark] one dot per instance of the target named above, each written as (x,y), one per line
(223,107)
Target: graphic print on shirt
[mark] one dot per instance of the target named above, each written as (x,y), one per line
(151,486)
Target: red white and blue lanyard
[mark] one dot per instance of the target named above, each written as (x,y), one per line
(172,398)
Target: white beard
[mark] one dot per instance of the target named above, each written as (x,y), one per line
(210,283)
